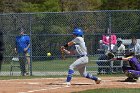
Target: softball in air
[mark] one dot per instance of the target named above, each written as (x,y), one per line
(49,54)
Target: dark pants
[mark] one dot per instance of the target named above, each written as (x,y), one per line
(22,61)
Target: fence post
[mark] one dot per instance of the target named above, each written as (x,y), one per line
(30,28)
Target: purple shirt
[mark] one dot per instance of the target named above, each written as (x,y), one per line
(134,63)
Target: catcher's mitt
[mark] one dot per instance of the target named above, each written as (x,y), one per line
(110,55)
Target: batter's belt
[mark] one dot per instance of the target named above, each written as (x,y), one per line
(81,56)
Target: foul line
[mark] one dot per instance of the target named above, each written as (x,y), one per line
(30,79)
(31,91)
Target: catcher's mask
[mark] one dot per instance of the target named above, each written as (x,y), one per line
(130,53)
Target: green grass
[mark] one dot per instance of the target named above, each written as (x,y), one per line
(53,76)
(51,65)
(27,77)
(17,77)
(112,90)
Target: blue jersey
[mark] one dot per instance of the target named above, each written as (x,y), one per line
(22,42)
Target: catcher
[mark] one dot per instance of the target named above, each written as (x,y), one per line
(133,70)
(82,58)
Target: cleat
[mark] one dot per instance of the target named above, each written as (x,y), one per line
(98,81)
(129,80)
(67,84)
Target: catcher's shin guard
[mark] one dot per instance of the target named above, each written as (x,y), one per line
(69,77)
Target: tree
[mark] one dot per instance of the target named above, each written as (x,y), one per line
(119,4)
(80,5)
(40,6)
(7,6)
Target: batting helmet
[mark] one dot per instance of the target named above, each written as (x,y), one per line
(78,32)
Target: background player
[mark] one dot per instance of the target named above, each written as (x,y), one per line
(82,58)
(23,50)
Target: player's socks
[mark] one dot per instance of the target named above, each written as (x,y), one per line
(69,77)
(91,77)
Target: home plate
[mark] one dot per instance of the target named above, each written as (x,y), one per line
(33,83)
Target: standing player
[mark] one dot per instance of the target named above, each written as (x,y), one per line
(23,50)
(82,59)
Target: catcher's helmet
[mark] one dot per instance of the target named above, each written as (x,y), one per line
(129,53)
(77,32)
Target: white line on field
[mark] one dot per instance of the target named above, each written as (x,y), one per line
(31,91)
(129,83)
(33,83)
(31,79)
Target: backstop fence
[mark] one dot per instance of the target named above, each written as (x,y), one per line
(50,30)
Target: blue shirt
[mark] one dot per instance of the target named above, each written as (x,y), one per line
(22,42)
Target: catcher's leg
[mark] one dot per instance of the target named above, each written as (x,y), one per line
(133,73)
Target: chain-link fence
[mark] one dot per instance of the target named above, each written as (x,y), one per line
(48,31)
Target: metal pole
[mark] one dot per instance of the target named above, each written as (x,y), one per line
(30,28)
(110,39)
(62,5)
(110,31)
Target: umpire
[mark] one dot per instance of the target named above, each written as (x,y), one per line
(1,48)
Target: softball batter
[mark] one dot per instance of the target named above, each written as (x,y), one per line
(82,58)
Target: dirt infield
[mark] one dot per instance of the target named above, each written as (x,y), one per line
(55,85)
